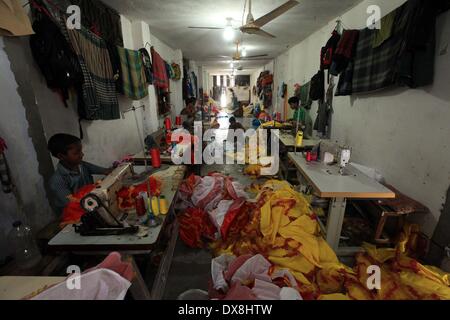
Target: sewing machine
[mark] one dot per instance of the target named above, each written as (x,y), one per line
(108,187)
(101,207)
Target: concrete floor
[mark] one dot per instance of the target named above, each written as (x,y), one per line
(191,269)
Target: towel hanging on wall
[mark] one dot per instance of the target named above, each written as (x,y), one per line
(99,87)
(102,20)
(147,65)
(160,79)
(133,74)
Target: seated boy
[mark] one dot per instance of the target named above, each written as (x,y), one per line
(71,173)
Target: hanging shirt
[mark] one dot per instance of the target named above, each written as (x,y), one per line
(300,115)
(66,182)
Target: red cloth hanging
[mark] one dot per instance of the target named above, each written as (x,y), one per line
(160,79)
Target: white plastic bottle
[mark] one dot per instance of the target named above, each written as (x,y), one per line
(26,252)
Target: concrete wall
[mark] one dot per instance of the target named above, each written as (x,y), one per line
(18,126)
(30,114)
(402,133)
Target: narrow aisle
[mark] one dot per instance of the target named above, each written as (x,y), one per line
(191,268)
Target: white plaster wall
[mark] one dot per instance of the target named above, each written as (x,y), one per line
(403,133)
(22,159)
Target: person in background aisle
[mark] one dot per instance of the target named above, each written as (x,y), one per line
(302,116)
(72,173)
(190,110)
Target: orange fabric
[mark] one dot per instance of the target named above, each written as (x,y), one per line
(73,212)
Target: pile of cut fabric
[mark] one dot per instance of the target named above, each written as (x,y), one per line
(250,278)
(284,231)
(213,207)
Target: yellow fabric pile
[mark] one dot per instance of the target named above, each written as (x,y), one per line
(285,230)
(275,124)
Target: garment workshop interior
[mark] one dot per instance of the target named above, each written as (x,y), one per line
(225,150)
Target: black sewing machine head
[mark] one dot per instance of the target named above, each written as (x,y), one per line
(99,221)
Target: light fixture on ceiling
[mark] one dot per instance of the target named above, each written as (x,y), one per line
(244,52)
(228,33)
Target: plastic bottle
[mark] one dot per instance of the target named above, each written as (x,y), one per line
(26,252)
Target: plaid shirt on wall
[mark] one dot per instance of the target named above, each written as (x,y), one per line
(375,68)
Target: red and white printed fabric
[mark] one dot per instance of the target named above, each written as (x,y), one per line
(249,277)
(215,188)
(226,214)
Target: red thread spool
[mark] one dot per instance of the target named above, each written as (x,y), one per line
(308,156)
(156,158)
(179,121)
(140,206)
(278,115)
(169,138)
(168,124)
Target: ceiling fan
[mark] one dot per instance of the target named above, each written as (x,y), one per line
(253,26)
(239,56)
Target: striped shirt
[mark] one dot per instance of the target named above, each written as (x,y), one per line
(66,182)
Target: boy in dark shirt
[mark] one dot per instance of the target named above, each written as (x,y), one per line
(71,173)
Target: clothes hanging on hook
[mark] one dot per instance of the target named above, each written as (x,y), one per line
(160,79)
(133,74)
(345,51)
(102,20)
(13,19)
